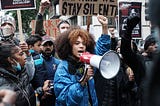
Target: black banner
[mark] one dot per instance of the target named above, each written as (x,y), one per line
(17,4)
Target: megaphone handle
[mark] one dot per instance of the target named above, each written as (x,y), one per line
(84,74)
(86,68)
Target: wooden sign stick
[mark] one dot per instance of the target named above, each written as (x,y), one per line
(20,25)
(88,22)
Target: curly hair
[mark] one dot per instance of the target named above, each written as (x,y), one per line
(66,39)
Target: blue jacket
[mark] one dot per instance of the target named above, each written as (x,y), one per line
(51,65)
(40,70)
(69,91)
(102,45)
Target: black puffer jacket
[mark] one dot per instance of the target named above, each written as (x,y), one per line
(20,84)
(117,91)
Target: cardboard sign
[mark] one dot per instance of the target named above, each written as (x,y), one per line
(50,27)
(17,4)
(129,9)
(88,7)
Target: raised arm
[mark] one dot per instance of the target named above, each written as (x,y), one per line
(103,43)
(39,29)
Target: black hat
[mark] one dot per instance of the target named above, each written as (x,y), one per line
(148,41)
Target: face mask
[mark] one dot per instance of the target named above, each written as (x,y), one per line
(17,67)
(7,30)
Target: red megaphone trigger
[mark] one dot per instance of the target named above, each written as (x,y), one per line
(85,57)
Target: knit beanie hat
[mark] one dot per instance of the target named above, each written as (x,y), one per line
(148,41)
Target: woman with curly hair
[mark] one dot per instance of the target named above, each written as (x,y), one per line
(69,89)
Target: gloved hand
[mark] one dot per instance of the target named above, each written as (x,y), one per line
(131,22)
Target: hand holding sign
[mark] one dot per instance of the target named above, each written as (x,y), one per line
(24,46)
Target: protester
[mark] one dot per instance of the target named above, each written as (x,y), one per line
(120,90)
(153,86)
(7,34)
(8,27)
(62,26)
(140,64)
(70,45)
(7,97)
(14,75)
(41,75)
(42,49)
(34,44)
(125,91)
(149,46)
(48,51)
(68,90)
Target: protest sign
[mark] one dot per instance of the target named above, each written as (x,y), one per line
(17,4)
(129,9)
(50,27)
(88,7)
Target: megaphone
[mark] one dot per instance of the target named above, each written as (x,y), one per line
(108,64)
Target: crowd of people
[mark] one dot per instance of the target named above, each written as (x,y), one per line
(42,72)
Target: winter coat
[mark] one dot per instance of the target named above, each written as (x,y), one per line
(51,66)
(117,91)
(40,70)
(68,90)
(20,84)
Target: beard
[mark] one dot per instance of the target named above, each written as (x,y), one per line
(48,52)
